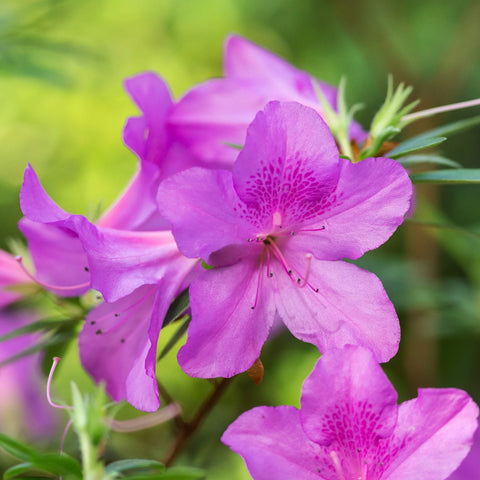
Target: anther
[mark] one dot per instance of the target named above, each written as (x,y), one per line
(98,332)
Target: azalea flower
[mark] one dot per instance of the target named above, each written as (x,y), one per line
(215,114)
(118,342)
(276,231)
(349,427)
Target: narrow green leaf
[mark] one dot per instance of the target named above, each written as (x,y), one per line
(122,466)
(413,144)
(17,470)
(413,160)
(175,338)
(34,327)
(177,308)
(450,128)
(236,146)
(461,175)
(58,464)
(16,448)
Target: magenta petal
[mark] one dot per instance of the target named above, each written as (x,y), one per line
(274,446)
(348,384)
(289,163)
(114,342)
(434,434)
(470,467)
(58,256)
(203,209)
(120,261)
(35,203)
(350,307)
(147,136)
(226,334)
(370,202)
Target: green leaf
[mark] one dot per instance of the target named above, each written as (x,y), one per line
(175,337)
(414,144)
(234,145)
(17,470)
(177,308)
(460,175)
(413,160)
(451,128)
(16,448)
(33,327)
(58,464)
(123,466)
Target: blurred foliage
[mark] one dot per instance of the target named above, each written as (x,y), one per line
(61,69)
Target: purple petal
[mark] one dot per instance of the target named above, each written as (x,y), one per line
(274,446)
(215,114)
(203,209)
(433,436)
(121,261)
(226,334)
(350,307)
(146,135)
(114,343)
(35,203)
(347,398)
(288,165)
(58,256)
(370,202)
(470,467)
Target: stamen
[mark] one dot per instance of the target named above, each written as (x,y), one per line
(308,257)
(280,257)
(259,279)
(269,274)
(445,108)
(49,384)
(47,286)
(147,421)
(301,230)
(337,464)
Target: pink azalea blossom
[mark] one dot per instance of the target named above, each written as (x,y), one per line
(349,427)
(118,342)
(277,229)
(217,113)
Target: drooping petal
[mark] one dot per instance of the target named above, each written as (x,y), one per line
(120,261)
(469,467)
(204,211)
(350,307)
(146,135)
(288,165)
(347,398)
(58,257)
(226,334)
(369,203)
(274,446)
(433,435)
(114,342)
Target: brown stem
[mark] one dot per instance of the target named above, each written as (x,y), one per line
(188,428)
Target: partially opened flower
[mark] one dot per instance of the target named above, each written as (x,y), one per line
(349,427)
(216,113)
(276,231)
(12,278)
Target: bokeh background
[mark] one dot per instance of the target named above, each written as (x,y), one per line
(62,63)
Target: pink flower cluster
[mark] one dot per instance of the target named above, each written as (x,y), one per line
(271,224)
